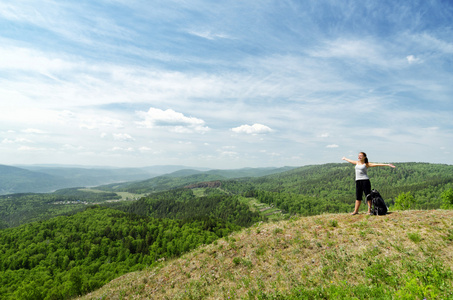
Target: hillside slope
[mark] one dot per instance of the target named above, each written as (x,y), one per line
(184,177)
(18,180)
(403,255)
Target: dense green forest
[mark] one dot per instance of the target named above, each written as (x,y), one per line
(183,204)
(72,255)
(77,253)
(306,190)
(57,245)
(316,189)
(160,183)
(16,209)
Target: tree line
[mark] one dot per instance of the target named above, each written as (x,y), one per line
(331,188)
(183,204)
(17,209)
(72,255)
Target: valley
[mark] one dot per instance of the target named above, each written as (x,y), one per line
(242,231)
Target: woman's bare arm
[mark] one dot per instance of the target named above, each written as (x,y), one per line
(370,165)
(349,160)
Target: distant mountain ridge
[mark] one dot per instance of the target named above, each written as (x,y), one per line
(18,180)
(189,176)
(48,178)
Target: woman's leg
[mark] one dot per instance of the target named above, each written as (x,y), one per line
(356,208)
(358,196)
(367,190)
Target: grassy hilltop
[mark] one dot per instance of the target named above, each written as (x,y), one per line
(403,255)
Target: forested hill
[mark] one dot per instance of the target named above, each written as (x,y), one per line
(184,177)
(307,190)
(72,255)
(58,245)
(316,189)
(335,183)
(314,179)
(76,253)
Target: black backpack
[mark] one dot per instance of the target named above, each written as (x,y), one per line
(378,206)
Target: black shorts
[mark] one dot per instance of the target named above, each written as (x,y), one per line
(362,186)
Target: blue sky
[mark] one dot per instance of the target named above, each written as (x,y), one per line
(225,84)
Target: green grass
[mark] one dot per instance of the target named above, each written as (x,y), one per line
(129,196)
(404,255)
(199,192)
(124,195)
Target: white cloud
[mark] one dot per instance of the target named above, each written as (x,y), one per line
(228,153)
(172,120)
(122,137)
(350,48)
(33,130)
(17,140)
(145,149)
(253,129)
(121,149)
(24,59)
(411,59)
(31,149)
(332,146)
(96,122)
(70,147)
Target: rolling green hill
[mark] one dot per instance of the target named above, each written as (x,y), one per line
(59,245)
(331,182)
(184,177)
(307,190)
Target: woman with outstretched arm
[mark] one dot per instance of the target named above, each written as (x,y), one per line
(362,181)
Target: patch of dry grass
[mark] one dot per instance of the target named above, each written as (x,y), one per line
(332,251)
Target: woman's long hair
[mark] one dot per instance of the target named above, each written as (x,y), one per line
(366,158)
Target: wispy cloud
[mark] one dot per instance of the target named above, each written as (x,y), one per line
(122,137)
(222,85)
(33,131)
(16,141)
(207,34)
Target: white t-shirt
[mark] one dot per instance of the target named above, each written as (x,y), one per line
(361,172)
